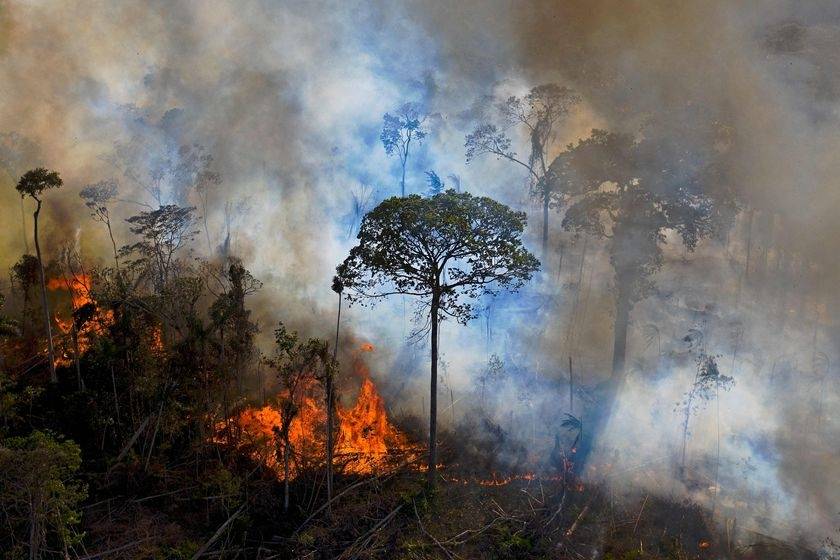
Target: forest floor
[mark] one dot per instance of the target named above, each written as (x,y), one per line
(519,519)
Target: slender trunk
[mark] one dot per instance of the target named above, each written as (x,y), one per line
(331,405)
(717,444)
(404,163)
(685,428)
(23,221)
(50,349)
(286,475)
(34,533)
(560,263)
(116,400)
(114,245)
(206,229)
(545,206)
(622,320)
(571,388)
(433,392)
(76,357)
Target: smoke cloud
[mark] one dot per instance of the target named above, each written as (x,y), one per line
(288,99)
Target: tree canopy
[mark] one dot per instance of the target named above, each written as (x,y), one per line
(406,244)
(34,182)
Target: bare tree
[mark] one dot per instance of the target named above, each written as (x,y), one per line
(538,113)
(97,197)
(399,131)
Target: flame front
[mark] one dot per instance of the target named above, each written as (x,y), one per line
(79,288)
(365,441)
(365,435)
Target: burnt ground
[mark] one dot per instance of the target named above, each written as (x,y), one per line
(398,518)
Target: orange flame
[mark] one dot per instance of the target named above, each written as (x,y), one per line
(365,441)
(79,288)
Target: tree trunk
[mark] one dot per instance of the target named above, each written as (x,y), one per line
(622,320)
(114,245)
(331,405)
(610,390)
(571,388)
(76,358)
(50,349)
(402,182)
(286,476)
(433,393)
(685,428)
(23,221)
(545,227)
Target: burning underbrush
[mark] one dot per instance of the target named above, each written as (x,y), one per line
(85,320)
(366,441)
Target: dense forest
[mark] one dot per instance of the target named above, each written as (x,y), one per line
(477,280)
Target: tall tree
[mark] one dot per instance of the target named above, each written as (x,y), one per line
(329,386)
(33,184)
(447,250)
(538,113)
(398,132)
(632,193)
(97,197)
(163,232)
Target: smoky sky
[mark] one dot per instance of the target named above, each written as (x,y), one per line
(288,98)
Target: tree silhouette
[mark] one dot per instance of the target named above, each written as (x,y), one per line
(162,233)
(33,184)
(399,130)
(446,250)
(622,190)
(97,197)
(538,113)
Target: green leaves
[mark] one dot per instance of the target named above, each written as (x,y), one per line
(449,246)
(36,181)
(41,495)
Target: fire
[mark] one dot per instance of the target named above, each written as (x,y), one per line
(365,439)
(364,433)
(79,288)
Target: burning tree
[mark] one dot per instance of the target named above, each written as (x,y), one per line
(446,250)
(295,363)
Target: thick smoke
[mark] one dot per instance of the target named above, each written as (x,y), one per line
(288,98)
